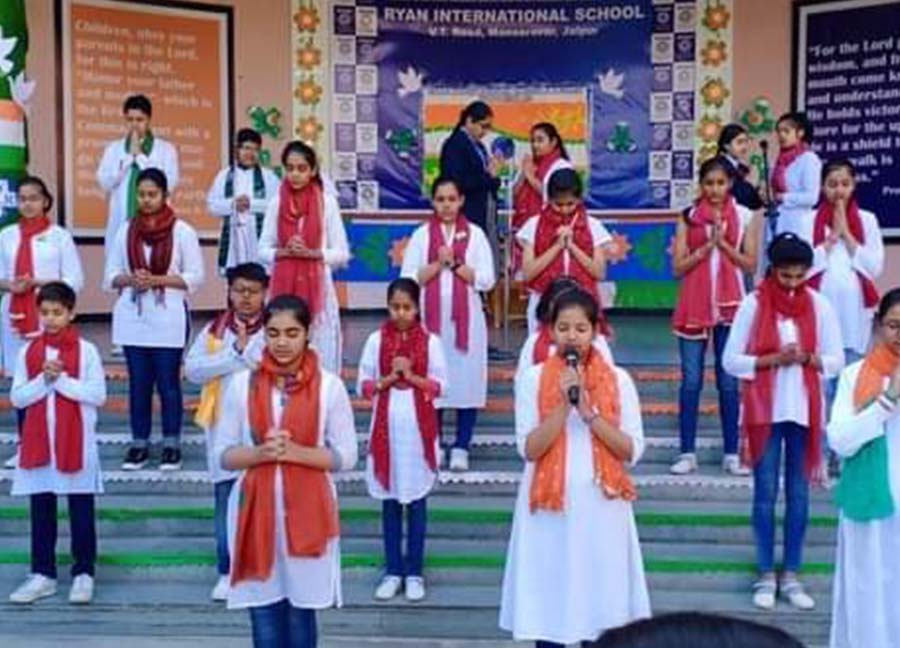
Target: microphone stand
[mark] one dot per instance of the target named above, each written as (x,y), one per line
(770,214)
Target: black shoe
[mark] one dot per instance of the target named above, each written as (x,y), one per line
(171,459)
(499,355)
(135,458)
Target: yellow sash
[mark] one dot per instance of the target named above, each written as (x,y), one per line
(208,410)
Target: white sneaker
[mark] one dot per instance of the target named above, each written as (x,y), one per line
(793,591)
(731,465)
(459,460)
(36,586)
(764,594)
(82,589)
(220,591)
(388,588)
(415,588)
(13,462)
(685,464)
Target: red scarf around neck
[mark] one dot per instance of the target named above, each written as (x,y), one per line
(824,222)
(301,212)
(158,232)
(310,510)
(528,201)
(23,311)
(758,395)
(549,222)
(460,310)
(693,315)
(228,321)
(786,157)
(68,438)
(412,344)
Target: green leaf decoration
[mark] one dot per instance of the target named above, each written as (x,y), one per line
(649,248)
(373,251)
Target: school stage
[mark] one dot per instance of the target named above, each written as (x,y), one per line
(156,563)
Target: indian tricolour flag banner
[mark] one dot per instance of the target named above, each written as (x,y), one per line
(15,93)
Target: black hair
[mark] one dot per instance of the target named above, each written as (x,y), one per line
(800,122)
(717,163)
(834,165)
(697,630)
(442,180)
(576,298)
(405,285)
(250,271)
(288,304)
(557,287)
(563,182)
(248,135)
(57,292)
(553,134)
(728,134)
(891,298)
(475,111)
(788,249)
(138,102)
(34,181)
(301,148)
(156,176)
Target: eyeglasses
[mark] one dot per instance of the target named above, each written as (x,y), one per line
(246,292)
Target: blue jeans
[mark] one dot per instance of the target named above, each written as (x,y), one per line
(465,426)
(159,367)
(220,518)
(281,625)
(392,529)
(44,531)
(692,370)
(765,492)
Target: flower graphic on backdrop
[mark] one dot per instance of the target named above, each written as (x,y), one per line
(714,53)
(716,17)
(617,250)
(714,92)
(307,18)
(709,127)
(398,247)
(308,129)
(308,91)
(758,117)
(309,56)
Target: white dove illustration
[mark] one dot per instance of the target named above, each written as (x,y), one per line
(611,83)
(410,81)
(7,45)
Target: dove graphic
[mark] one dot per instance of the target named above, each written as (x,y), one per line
(410,81)
(7,45)
(21,91)
(611,83)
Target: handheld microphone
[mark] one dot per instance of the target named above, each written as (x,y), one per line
(571,356)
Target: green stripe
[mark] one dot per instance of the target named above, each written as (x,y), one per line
(12,158)
(437,515)
(434,561)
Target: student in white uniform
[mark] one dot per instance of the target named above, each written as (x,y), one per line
(239,196)
(231,344)
(715,245)
(154,264)
(452,261)
(286,427)
(303,241)
(539,346)
(784,340)
(574,564)
(865,431)
(33,252)
(124,158)
(402,370)
(562,240)
(797,174)
(59,382)
(848,256)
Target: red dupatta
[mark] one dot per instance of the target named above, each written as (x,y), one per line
(460,311)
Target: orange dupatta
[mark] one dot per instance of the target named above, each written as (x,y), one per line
(880,363)
(602,387)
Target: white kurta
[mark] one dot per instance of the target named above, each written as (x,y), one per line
(411,477)
(243,240)
(790,400)
(89,389)
(867,574)
(306,582)
(148,322)
(527,235)
(201,367)
(54,256)
(526,355)
(804,184)
(840,282)
(466,371)
(571,575)
(325,333)
(112,176)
